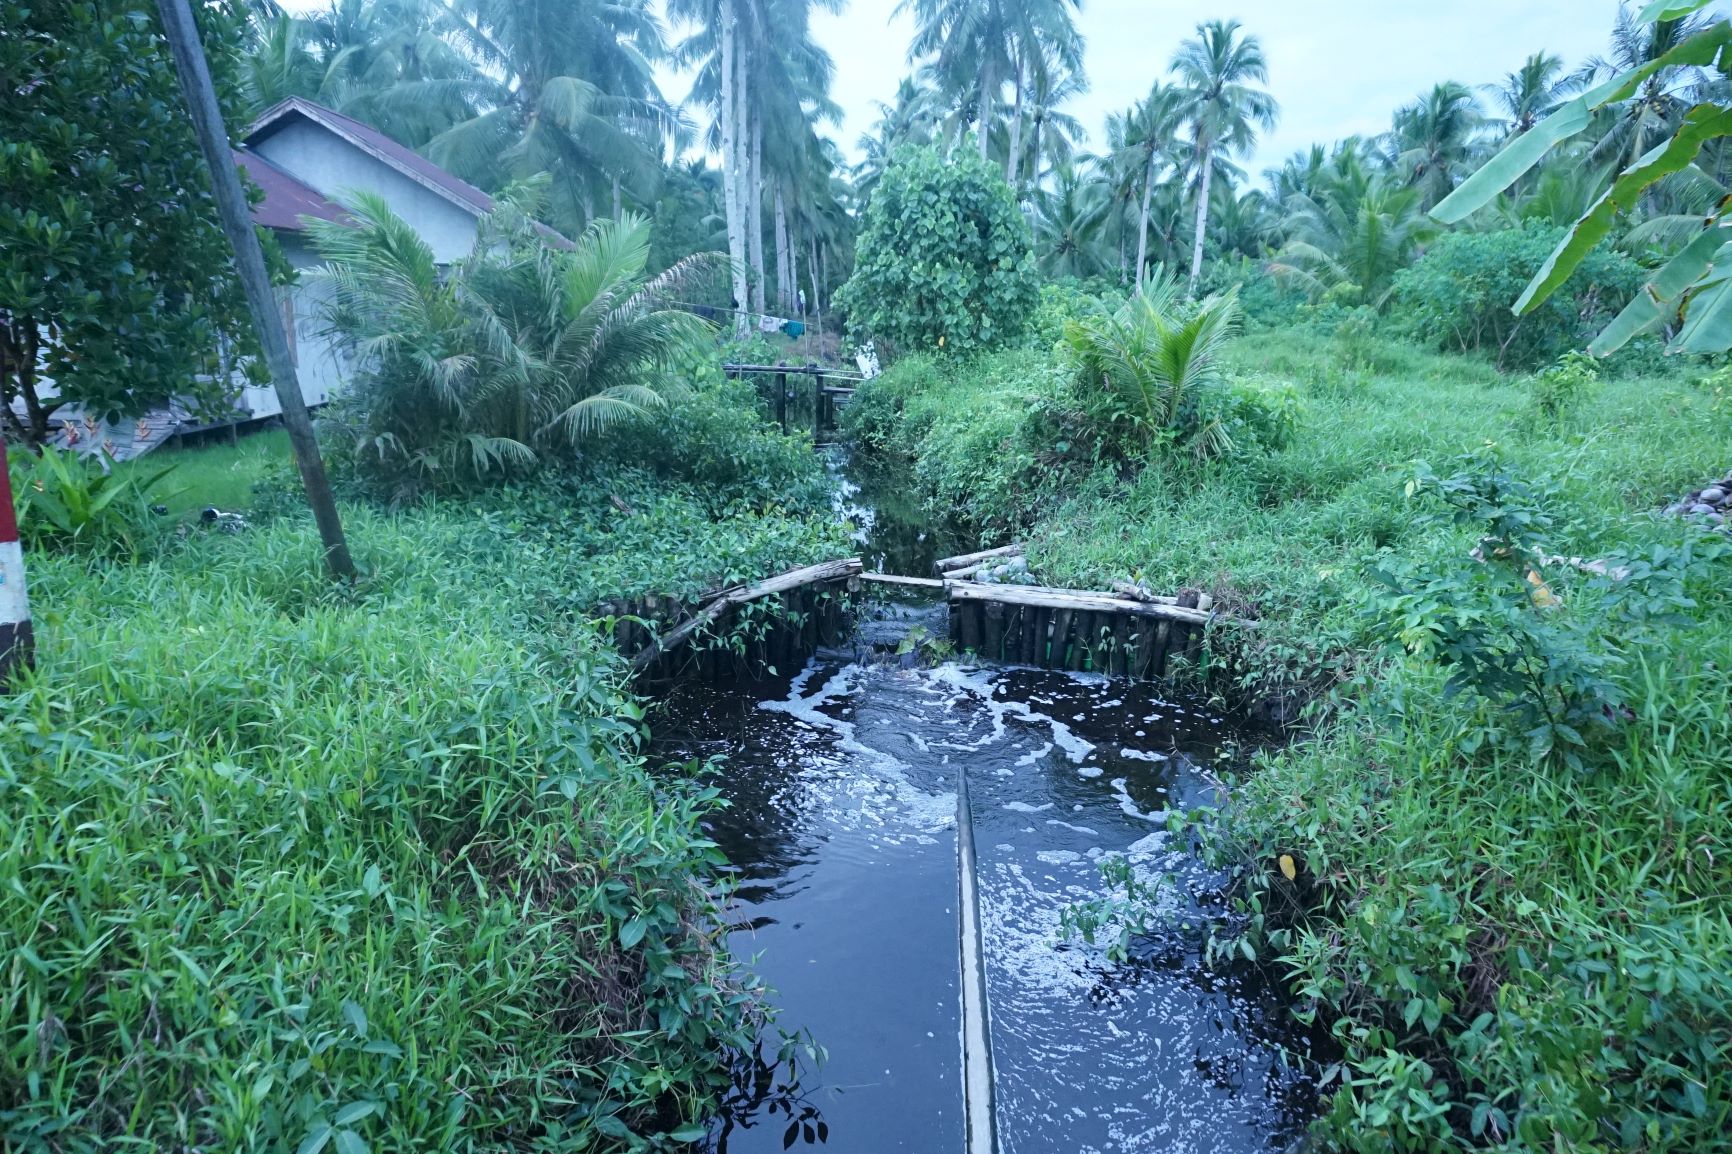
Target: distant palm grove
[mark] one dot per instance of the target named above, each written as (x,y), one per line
(500,90)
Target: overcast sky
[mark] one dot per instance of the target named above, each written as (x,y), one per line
(1338,67)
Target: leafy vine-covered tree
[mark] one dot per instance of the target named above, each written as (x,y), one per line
(945,259)
(116,283)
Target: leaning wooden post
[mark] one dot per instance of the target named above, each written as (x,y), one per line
(817,409)
(16,643)
(201,102)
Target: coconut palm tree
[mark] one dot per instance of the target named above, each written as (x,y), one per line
(564,87)
(1154,359)
(910,118)
(1651,115)
(1532,92)
(977,46)
(1218,71)
(1145,145)
(1052,132)
(1068,220)
(1353,231)
(764,80)
(519,352)
(1435,141)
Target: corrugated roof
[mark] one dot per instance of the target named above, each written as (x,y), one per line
(405,160)
(286,200)
(371,140)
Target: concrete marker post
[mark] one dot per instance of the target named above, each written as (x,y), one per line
(16,642)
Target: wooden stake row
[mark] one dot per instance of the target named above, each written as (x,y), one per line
(746,631)
(1056,633)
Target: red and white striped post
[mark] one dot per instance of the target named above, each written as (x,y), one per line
(15,639)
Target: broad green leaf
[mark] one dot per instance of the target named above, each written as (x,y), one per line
(317,1138)
(356,1017)
(1670,10)
(1660,297)
(691,1132)
(1708,322)
(354,1112)
(349,1142)
(1701,124)
(1509,165)
(632,932)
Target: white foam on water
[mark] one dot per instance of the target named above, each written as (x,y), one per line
(1129,805)
(981,685)
(1077,828)
(1024,807)
(1142,754)
(1058,856)
(927,813)
(1033,756)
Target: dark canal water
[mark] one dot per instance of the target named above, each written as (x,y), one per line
(842,829)
(842,832)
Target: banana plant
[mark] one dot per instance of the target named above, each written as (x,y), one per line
(1696,283)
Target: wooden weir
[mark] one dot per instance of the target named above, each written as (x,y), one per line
(1127,633)
(780,622)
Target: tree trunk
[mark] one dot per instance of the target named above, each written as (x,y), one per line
(1013,162)
(812,270)
(1034,151)
(617,211)
(730,108)
(1202,219)
(755,215)
(784,275)
(983,125)
(1143,219)
(236,218)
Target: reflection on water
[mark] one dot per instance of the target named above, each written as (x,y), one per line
(842,830)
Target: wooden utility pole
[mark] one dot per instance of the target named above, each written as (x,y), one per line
(15,636)
(201,102)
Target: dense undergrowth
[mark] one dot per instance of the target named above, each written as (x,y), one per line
(292,865)
(1508,835)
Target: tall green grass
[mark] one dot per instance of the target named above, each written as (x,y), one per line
(292,867)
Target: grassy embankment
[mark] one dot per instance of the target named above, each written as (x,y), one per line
(1513,949)
(293,866)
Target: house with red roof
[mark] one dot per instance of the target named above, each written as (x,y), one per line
(306,158)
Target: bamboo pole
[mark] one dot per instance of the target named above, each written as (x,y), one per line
(943,566)
(1072,598)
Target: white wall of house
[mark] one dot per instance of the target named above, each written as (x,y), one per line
(321,366)
(332,166)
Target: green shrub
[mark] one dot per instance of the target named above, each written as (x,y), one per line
(68,500)
(945,258)
(1062,303)
(985,438)
(718,442)
(1458,296)
(288,865)
(887,414)
(1558,391)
